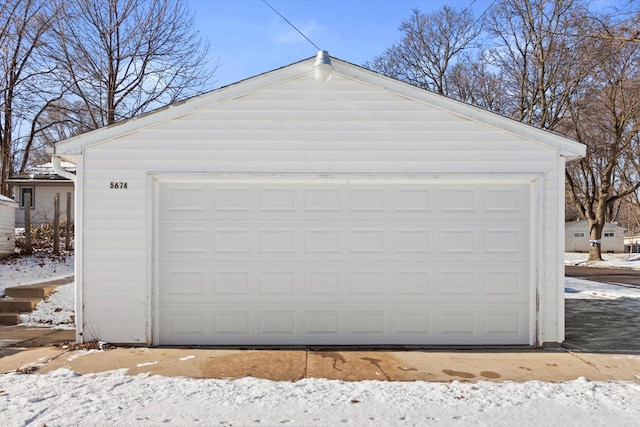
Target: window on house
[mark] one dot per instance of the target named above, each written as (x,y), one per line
(27,191)
(578,234)
(609,234)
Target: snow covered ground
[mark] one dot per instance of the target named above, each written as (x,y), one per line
(32,269)
(57,311)
(631,261)
(114,398)
(586,289)
(64,398)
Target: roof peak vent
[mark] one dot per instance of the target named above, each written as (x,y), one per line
(323,69)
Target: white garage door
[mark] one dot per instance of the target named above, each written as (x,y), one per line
(338,261)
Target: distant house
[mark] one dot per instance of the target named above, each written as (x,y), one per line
(632,244)
(577,237)
(7,228)
(42,183)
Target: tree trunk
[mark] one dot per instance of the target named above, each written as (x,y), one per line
(595,239)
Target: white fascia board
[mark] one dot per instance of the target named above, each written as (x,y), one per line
(67,149)
(567,147)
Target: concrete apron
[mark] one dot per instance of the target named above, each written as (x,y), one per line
(292,365)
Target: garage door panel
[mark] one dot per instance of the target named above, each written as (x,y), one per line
(274,201)
(503,200)
(343,262)
(344,281)
(186,281)
(215,239)
(344,324)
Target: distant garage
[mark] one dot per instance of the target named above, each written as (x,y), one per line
(283,210)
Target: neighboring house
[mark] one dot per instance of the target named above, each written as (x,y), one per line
(632,244)
(7,226)
(283,210)
(42,183)
(577,237)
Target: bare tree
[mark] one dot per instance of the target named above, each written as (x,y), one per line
(476,81)
(62,119)
(544,66)
(429,47)
(120,58)
(607,120)
(24,89)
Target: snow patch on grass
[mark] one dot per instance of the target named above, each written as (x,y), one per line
(630,261)
(585,289)
(57,311)
(39,267)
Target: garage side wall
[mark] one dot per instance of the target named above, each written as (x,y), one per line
(302,127)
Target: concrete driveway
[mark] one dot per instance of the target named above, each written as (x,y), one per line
(603,325)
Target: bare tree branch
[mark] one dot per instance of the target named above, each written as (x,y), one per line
(125,57)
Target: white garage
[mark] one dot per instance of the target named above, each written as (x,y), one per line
(287,211)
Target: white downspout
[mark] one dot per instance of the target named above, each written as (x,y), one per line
(57,167)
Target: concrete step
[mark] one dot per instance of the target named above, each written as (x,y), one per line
(30,291)
(18,305)
(9,318)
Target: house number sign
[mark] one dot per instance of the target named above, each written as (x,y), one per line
(118,185)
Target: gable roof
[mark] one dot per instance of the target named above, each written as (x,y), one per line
(69,148)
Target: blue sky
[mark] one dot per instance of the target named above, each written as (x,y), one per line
(248,38)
